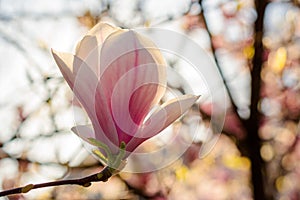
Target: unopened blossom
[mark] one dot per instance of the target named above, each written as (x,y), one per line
(118,76)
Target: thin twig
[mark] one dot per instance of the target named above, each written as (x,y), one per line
(104,175)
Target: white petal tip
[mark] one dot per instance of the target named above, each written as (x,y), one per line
(53,52)
(192,97)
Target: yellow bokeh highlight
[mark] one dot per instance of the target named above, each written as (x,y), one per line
(181,172)
(279,183)
(277,60)
(147,24)
(249,52)
(267,152)
(285,183)
(236,162)
(267,42)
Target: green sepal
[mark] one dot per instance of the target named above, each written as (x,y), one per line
(114,161)
(118,159)
(103,146)
(100,155)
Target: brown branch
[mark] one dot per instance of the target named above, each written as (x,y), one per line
(252,142)
(104,175)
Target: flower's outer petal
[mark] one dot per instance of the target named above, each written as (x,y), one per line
(84,132)
(89,52)
(102,30)
(86,88)
(69,65)
(167,114)
(141,80)
(88,49)
(138,97)
(65,64)
(123,51)
(162,118)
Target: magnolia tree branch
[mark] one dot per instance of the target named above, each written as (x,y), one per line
(104,175)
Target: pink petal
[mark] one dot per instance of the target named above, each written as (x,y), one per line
(65,64)
(88,49)
(85,132)
(102,30)
(162,118)
(123,51)
(135,89)
(68,68)
(85,88)
(91,96)
(89,52)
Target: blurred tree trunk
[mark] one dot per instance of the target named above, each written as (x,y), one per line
(252,141)
(250,145)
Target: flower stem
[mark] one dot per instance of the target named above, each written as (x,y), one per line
(104,175)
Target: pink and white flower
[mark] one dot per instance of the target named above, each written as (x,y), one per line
(118,76)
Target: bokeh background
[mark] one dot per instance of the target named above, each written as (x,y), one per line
(256,47)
